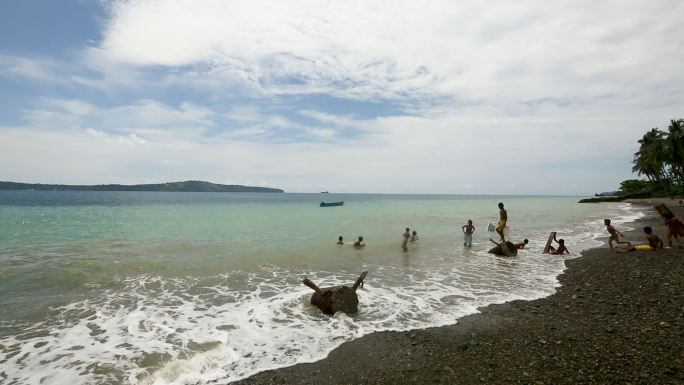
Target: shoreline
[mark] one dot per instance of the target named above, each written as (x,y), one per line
(615,318)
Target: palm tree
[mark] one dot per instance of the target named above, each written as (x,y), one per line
(674,151)
(650,159)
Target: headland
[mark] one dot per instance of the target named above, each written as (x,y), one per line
(186,186)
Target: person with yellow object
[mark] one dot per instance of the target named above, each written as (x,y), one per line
(654,242)
(503,218)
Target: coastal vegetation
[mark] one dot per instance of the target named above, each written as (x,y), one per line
(660,159)
(186,186)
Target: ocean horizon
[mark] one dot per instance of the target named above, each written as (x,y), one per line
(190,288)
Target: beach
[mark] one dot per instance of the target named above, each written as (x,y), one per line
(617,318)
(206,288)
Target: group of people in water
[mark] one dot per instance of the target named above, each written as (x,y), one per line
(407,237)
(357,243)
(468,230)
(674,225)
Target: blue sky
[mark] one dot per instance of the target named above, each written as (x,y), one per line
(490,97)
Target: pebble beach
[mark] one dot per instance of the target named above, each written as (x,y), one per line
(617,318)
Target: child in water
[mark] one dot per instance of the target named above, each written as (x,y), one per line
(405,238)
(561,248)
(468,231)
(340,240)
(414,236)
(359,243)
(503,218)
(521,245)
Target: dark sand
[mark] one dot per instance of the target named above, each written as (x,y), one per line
(618,318)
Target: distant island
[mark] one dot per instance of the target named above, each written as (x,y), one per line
(187,186)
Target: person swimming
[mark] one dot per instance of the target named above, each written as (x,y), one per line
(521,245)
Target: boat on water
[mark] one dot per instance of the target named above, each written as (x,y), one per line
(331,204)
(325,192)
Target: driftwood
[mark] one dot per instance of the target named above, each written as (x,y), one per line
(333,299)
(505,248)
(664,211)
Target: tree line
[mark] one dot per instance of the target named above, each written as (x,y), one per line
(660,159)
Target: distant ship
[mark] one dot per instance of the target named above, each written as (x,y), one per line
(325,192)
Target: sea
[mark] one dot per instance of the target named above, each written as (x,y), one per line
(203,288)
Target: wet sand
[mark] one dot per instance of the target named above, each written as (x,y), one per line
(618,318)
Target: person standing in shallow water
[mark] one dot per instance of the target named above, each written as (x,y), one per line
(468,231)
(503,218)
(406,237)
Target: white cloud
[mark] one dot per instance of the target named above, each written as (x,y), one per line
(404,49)
(142,118)
(130,140)
(28,68)
(488,97)
(443,153)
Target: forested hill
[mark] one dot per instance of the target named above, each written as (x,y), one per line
(187,186)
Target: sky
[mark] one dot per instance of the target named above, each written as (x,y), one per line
(401,96)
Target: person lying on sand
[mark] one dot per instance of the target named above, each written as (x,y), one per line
(654,242)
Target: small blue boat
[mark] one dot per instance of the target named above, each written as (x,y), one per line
(331,204)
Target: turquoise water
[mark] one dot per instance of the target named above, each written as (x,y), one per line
(189,288)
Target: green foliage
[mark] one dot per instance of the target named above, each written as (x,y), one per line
(677,190)
(635,185)
(660,158)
